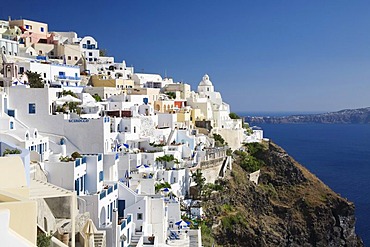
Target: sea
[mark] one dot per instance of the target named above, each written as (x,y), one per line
(338,154)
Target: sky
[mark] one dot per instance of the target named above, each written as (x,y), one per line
(271,56)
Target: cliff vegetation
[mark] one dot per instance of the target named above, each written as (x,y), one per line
(289,206)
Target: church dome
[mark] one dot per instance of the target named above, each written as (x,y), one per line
(205,81)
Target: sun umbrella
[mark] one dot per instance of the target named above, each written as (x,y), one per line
(89,229)
(68,98)
(182,223)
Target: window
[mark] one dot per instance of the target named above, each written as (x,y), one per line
(84,46)
(139,216)
(88,42)
(51,53)
(44,75)
(42,29)
(69,58)
(90,54)
(134,129)
(101,176)
(32,108)
(27,27)
(76,58)
(11,125)
(90,59)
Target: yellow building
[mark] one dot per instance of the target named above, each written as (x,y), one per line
(163,105)
(181,90)
(152,93)
(196,115)
(14,196)
(108,81)
(19,202)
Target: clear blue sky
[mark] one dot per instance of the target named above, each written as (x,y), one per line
(261,55)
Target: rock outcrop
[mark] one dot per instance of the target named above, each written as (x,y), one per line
(289,207)
(348,116)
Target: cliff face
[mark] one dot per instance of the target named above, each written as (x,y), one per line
(348,116)
(289,207)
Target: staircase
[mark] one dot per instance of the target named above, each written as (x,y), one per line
(99,239)
(170,137)
(135,238)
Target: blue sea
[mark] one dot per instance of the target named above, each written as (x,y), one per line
(338,154)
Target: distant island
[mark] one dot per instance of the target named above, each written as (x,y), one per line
(347,116)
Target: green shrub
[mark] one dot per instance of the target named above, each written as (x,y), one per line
(43,240)
(11,151)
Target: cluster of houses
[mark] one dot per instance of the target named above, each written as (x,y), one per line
(101,155)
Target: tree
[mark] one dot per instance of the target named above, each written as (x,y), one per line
(219,141)
(171,95)
(97,97)
(69,92)
(160,186)
(34,79)
(103,53)
(199,180)
(166,158)
(233,115)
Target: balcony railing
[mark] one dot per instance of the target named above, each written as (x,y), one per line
(123,224)
(110,190)
(64,77)
(102,194)
(128,218)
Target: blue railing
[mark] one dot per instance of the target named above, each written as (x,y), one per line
(99,157)
(83,160)
(102,194)
(128,218)
(77,162)
(41,57)
(123,225)
(69,77)
(91,47)
(11,113)
(110,190)
(115,186)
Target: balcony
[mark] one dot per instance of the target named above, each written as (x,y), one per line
(102,195)
(91,47)
(64,77)
(110,190)
(123,222)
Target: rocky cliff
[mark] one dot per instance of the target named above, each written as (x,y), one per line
(289,207)
(348,116)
